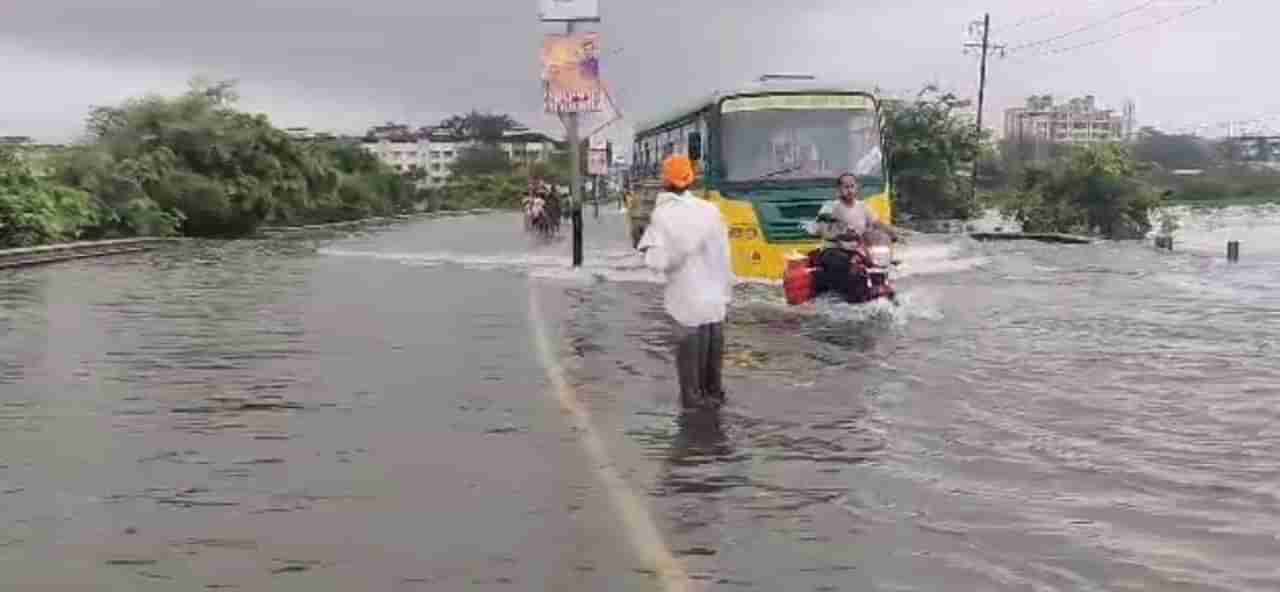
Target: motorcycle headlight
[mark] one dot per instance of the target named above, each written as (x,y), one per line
(880,256)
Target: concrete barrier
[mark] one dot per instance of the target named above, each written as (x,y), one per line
(28,256)
(1047,237)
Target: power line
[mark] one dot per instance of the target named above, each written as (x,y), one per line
(1031,20)
(1127,32)
(1093,25)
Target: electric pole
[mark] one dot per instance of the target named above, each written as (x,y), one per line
(985,48)
(575,177)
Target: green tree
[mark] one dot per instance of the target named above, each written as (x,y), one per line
(36,211)
(196,163)
(928,143)
(487,128)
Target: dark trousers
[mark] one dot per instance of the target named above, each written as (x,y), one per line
(836,275)
(699,364)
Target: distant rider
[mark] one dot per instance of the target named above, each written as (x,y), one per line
(534,202)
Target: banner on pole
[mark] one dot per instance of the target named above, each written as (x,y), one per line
(568,10)
(571,73)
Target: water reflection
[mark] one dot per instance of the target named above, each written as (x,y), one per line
(697,475)
(22,309)
(699,440)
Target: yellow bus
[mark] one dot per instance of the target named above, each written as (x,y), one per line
(768,155)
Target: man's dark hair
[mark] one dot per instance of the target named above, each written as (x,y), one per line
(843,175)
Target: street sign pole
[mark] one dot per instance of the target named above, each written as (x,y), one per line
(575,177)
(571,12)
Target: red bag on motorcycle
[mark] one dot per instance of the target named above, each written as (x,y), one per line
(797,281)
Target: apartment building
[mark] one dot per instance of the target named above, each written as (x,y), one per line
(433,151)
(1077,121)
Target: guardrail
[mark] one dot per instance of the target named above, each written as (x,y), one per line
(29,256)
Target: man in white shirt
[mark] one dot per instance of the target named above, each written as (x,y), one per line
(688,242)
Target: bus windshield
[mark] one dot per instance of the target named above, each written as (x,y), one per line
(789,144)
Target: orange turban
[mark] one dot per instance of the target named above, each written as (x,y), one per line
(677,171)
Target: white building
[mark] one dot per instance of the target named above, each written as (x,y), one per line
(433,152)
(1078,121)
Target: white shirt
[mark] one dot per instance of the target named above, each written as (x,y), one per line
(856,218)
(688,242)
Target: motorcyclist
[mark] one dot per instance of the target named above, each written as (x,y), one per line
(534,202)
(843,222)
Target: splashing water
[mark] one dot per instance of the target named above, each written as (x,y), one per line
(620,265)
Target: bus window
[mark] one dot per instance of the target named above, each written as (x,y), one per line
(695,146)
(800,144)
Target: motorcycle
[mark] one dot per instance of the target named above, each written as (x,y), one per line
(819,272)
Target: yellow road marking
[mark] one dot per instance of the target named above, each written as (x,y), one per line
(641,529)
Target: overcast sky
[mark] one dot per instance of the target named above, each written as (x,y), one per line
(344,65)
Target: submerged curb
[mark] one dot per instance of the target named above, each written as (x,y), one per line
(1045,237)
(31,256)
(377,220)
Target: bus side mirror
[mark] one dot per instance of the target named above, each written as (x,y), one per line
(695,146)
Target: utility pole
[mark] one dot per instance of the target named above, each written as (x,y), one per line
(985,47)
(575,177)
(572,13)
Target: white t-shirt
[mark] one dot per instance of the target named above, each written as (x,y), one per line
(856,218)
(688,242)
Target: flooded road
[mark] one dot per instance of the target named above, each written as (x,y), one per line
(444,405)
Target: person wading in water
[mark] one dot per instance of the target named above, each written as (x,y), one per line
(687,241)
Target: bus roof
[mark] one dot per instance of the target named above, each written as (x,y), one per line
(781,86)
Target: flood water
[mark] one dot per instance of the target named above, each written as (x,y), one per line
(380,411)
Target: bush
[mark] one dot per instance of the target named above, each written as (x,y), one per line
(490,191)
(195,164)
(1095,190)
(36,211)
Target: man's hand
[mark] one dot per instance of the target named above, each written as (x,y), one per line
(847,236)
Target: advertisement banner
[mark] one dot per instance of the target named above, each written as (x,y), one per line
(571,73)
(569,10)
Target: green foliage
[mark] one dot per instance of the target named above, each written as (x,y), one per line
(195,164)
(482,160)
(928,143)
(1096,189)
(1172,152)
(1221,184)
(555,171)
(489,191)
(36,211)
(487,128)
